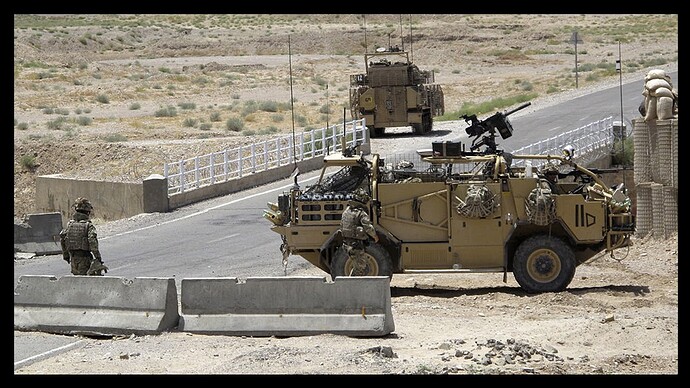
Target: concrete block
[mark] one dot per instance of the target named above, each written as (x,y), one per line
(287,306)
(95,305)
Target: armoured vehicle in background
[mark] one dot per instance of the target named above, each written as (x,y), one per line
(459,211)
(393,92)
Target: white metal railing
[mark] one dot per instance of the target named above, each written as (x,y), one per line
(217,167)
(591,142)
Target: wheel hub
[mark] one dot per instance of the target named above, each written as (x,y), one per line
(364,265)
(543,265)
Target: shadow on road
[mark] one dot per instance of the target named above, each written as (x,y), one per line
(446,292)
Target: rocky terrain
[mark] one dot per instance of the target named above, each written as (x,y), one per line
(116,96)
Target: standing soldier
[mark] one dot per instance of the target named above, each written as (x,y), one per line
(79,241)
(356,226)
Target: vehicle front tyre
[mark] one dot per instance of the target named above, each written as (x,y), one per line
(544,264)
(377,263)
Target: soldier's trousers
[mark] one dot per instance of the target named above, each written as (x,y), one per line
(80,262)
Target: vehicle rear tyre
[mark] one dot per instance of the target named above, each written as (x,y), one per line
(377,263)
(427,122)
(544,264)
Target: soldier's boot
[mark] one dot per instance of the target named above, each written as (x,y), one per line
(96,268)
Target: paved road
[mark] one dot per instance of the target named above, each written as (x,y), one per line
(228,236)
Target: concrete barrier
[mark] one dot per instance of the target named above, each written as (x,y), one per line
(95,305)
(39,233)
(287,306)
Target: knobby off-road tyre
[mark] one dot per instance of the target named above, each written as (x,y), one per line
(378,263)
(544,264)
(427,122)
(376,132)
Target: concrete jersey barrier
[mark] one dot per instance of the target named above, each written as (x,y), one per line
(287,306)
(95,305)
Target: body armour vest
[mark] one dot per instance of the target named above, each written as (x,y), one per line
(351,225)
(77,235)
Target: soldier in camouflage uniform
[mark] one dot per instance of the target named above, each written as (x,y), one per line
(79,241)
(356,226)
(550,172)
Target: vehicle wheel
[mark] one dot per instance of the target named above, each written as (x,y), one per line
(427,122)
(544,264)
(377,263)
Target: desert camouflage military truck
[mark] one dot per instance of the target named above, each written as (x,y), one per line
(393,92)
(459,211)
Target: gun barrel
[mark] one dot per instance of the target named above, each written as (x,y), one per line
(523,106)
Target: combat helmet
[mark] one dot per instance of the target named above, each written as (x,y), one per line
(83,205)
(360,196)
(550,169)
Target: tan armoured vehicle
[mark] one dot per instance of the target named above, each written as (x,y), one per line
(459,211)
(393,92)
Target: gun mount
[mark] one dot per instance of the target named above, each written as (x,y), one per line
(466,212)
(486,129)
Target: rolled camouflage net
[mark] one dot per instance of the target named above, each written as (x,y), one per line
(479,202)
(540,206)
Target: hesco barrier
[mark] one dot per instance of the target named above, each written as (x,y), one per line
(354,306)
(656,176)
(282,306)
(95,305)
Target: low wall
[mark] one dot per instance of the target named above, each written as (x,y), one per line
(39,233)
(244,183)
(117,200)
(111,200)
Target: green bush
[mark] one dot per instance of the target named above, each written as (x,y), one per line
(28,162)
(190,122)
(187,105)
(58,123)
(103,99)
(268,106)
(114,138)
(234,124)
(623,152)
(134,106)
(84,120)
(166,112)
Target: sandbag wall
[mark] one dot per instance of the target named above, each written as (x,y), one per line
(656,176)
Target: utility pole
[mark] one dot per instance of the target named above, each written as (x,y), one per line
(575,38)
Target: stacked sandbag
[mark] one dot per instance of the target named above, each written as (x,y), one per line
(660,98)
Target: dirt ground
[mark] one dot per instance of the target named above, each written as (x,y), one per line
(86,101)
(618,317)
